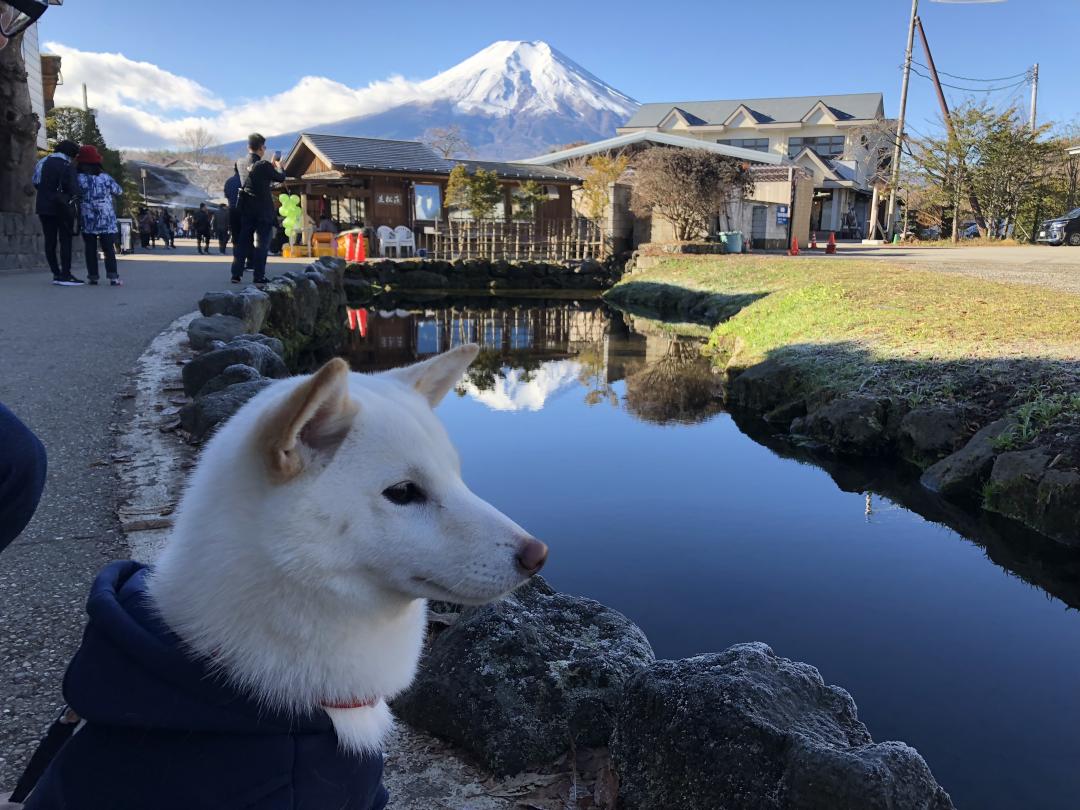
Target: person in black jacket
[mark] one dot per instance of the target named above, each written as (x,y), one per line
(57,186)
(221,226)
(201,225)
(256,208)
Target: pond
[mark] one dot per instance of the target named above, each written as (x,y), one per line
(602,435)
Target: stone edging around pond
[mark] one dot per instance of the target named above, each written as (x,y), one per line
(959,463)
(529,683)
(367,279)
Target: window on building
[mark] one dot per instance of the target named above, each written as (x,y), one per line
(757,144)
(824,145)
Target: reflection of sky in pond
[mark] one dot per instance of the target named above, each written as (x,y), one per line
(516,389)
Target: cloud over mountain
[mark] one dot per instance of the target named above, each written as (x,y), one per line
(510,95)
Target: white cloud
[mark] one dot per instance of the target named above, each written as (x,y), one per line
(141,105)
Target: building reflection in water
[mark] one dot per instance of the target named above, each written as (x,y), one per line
(534,350)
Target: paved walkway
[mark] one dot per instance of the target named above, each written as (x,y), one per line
(64,361)
(1041,265)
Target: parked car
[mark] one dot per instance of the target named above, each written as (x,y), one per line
(1063,230)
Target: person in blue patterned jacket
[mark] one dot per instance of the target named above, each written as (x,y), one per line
(97,214)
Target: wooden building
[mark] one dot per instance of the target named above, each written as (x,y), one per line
(370,182)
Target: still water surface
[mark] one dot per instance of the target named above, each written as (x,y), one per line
(602,436)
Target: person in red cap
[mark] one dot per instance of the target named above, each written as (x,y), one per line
(98,215)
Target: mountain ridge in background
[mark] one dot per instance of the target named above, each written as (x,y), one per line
(513,99)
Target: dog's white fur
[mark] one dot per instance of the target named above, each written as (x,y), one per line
(290,570)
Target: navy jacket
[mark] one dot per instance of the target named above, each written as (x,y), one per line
(22,475)
(57,177)
(255,199)
(164,733)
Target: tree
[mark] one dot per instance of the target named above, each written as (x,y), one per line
(601,171)
(484,193)
(528,198)
(687,187)
(447,141)
(457,189)
(18,132)
(209,169)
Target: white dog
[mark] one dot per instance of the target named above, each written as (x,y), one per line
(320,518)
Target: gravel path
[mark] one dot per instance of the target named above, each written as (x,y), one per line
(66,357)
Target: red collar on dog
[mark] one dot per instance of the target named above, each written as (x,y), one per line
(352,704)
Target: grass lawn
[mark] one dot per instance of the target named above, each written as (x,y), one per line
(869,326)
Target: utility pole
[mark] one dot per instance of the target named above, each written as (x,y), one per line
(1034,94)
(85,101)
(890,215)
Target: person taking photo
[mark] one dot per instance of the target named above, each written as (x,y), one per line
(255,205)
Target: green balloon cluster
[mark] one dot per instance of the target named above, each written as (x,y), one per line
(289,208)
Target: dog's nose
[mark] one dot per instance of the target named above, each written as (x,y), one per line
(531,556)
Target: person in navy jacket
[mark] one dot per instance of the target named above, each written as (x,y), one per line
(164,731)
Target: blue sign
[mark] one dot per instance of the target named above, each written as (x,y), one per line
(781,215)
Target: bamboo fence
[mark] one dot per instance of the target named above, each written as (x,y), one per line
(551,240)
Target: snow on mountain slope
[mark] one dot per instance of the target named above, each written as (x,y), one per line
(512,99)
(510,77)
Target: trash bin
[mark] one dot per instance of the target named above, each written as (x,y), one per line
(732,241)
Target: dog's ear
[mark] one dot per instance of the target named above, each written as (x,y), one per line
(435,377)
(318,413)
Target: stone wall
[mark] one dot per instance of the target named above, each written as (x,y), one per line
(22,245)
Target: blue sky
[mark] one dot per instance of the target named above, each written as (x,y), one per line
(676,50)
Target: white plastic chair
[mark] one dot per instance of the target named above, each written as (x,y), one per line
(405,239)
(387,239)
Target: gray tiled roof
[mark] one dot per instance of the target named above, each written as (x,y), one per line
(377,154)
(515,171)
(380,154)
(766,110)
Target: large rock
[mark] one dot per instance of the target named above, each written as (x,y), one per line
(272,343)
(203,332)
(519,682)
(928,433)
(855,425)
(1024,486)
(238,373)
(250,305)
(199,418)
(205,367)
(962,473)
(766,386)
(747,730)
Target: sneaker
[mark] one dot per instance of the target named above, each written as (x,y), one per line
(68,281)
(115,282)
(92,282)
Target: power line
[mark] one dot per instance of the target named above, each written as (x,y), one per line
(1026,74)
(973,89)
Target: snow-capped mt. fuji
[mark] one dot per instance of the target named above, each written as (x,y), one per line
(511,100)
(533,78)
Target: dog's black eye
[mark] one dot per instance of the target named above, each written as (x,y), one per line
(404,493)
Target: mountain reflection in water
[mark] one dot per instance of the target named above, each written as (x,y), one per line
(534,351)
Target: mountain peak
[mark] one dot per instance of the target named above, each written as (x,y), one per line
(518,76)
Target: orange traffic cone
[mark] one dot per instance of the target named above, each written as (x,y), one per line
(794,251)
(831,247)
(813,240)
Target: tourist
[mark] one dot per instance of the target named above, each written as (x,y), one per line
(256,207)
(165,229)
(54,179)
(146,225)
(98,215)
(22,475)
(188,226)
(200,224)
(221,227)
(326,225)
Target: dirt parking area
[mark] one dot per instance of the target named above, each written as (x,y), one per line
(1041,265)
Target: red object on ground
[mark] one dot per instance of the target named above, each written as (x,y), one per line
(794,251)
(355,249)
(831,247)
(357,320)
(813,240)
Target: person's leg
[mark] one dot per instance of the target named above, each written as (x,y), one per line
(108,245)
(262,247)
(22,475)
(64,233)
(242,247)
(48,227)
(90,241)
